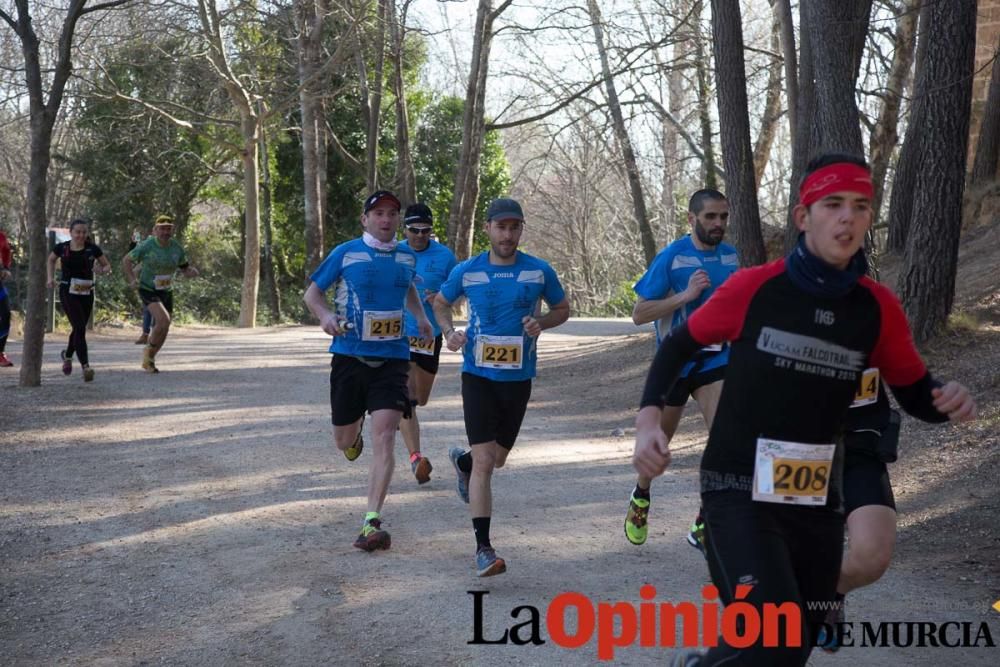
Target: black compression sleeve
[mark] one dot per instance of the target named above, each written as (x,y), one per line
(674,352)
(918,401)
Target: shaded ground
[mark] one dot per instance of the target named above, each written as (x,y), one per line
(202,517)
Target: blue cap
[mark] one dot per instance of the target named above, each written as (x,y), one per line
(504,209)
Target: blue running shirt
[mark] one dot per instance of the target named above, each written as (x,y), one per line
(434,263)
(499,298)
(370,291)
(670,272)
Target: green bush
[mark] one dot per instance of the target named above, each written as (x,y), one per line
(622,300)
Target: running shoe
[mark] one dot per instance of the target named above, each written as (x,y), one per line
(4,361)
(828,638)
(463,477)
(636,529)
(67,362)
(696,537)
(142,340)
(354,451)
(88,374)
(487,563)
(372,537)
(422,469)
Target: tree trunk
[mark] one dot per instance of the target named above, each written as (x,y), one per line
(310,16)
(374,101)
(43,116)
(884,136)
(267,266)
(734,127)
(704,100)
(462,213)
(927,285)
(783,11)
(772,108)
(905,177)
(805,111)
(674,224)
(405,179)
(251,195)
(624,142)
(835,70)
(984,169)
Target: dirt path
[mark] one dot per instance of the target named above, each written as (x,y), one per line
(202,517)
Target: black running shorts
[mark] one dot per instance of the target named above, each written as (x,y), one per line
(493,410)
(685,386)
(357,387)
(166,297)
(428,362)
(866,479)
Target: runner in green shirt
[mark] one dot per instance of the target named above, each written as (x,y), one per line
(161,256)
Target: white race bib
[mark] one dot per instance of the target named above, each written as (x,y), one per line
(422,346)
(505,352)
(867,392)
(163,282)
(792,473)
(382,325)
(80,286)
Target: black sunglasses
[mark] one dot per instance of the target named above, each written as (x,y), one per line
(419,230)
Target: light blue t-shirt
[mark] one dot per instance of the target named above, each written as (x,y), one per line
(499,298)
(670,272)
(434,263)
(370,291)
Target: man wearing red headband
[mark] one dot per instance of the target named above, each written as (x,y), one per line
(802,331)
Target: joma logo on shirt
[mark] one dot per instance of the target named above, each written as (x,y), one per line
(503,275)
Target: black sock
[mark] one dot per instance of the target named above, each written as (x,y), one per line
(465,462)
(641,492)
(481,524)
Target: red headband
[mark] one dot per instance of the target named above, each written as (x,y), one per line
(837,177)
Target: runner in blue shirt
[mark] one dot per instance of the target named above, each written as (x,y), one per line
(503,287)
(434,262)
(372,277)
(681,278)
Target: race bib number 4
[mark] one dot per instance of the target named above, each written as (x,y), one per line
(79,286)
(868,389)
(792,473)
(422,345)
(504,352)
(163,282)
(383,325)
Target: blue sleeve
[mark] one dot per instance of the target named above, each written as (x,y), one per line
(329,271)
(655,283)
(452,288)
(554,292)
(452,263)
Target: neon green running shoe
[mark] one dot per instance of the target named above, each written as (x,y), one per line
(696,537)
(635,521)
(372,537)
(358,446)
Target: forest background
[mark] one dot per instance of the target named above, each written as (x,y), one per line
(260,126)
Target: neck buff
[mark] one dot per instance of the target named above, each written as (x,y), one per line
(372,242)
(814,276)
